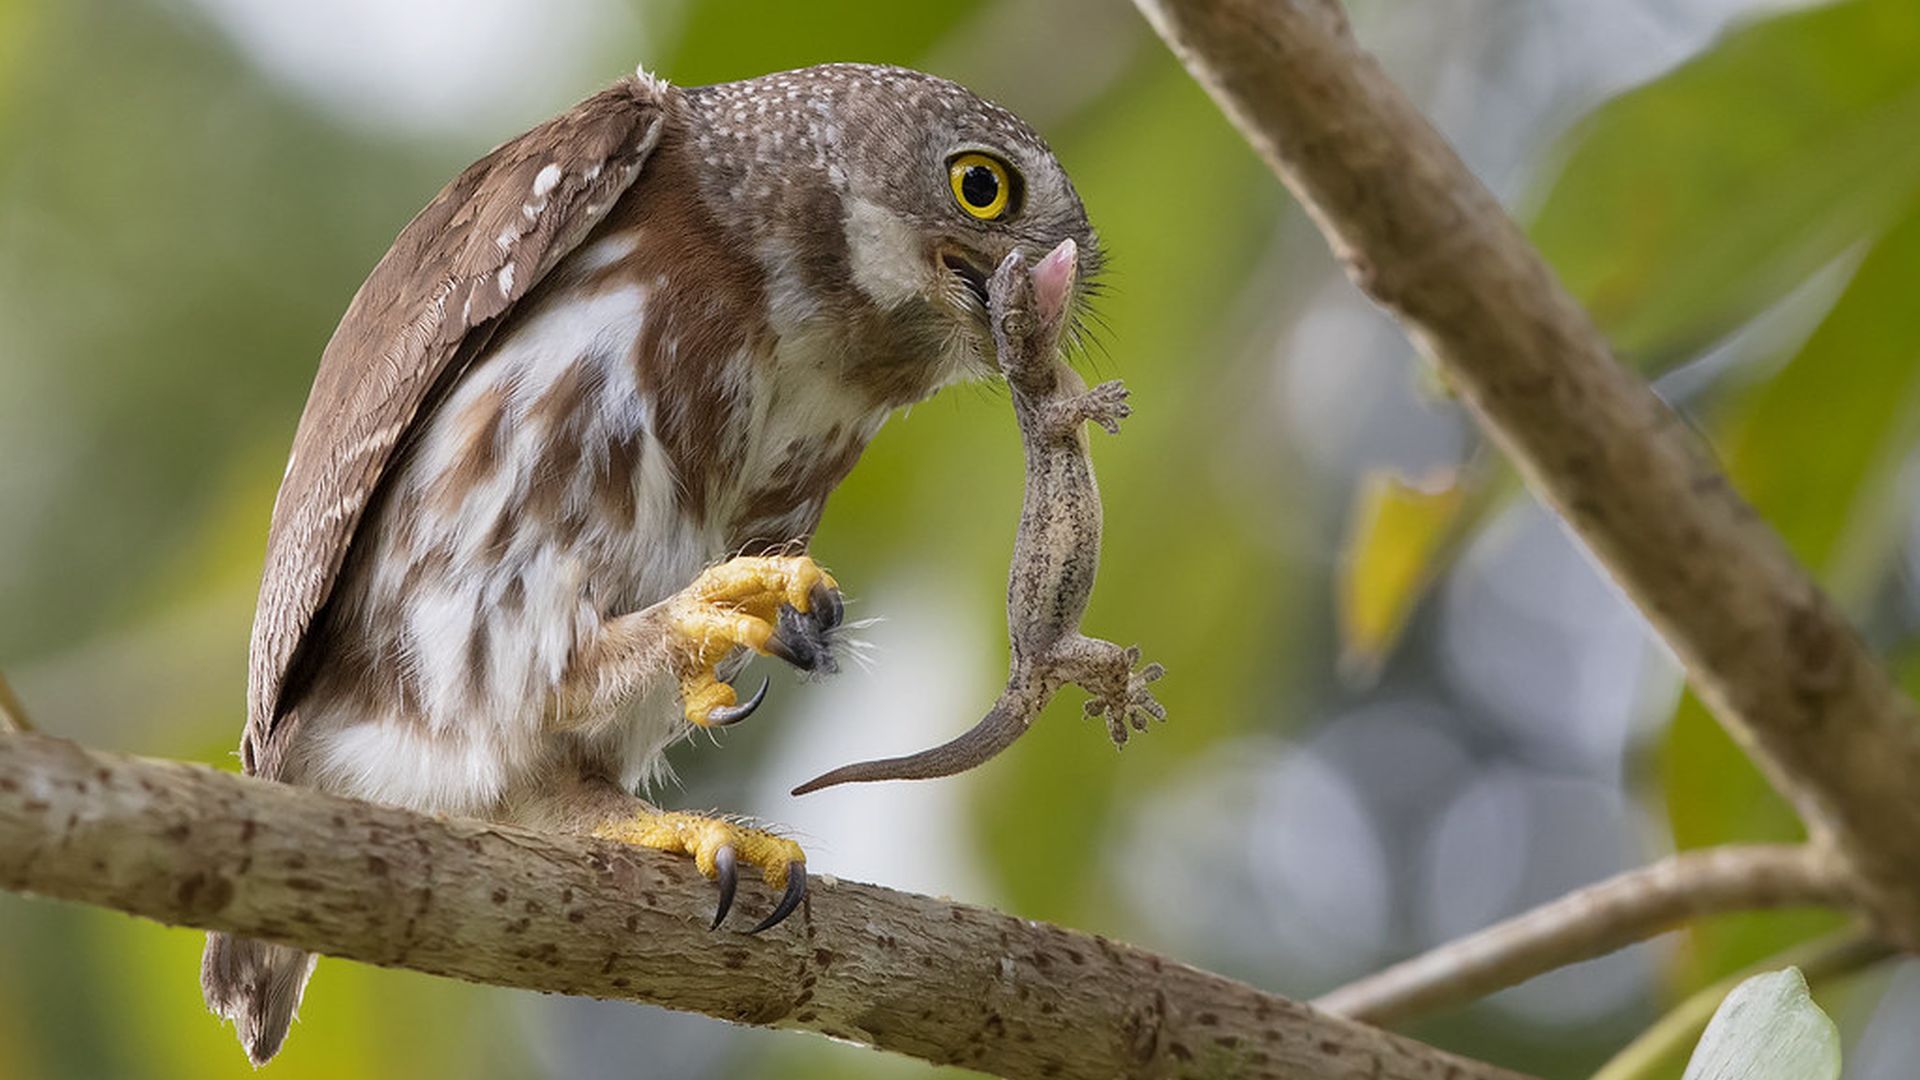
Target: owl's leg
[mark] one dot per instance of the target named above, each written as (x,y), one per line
(718,845)
(784,606)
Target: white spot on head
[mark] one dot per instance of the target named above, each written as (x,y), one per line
(885,253)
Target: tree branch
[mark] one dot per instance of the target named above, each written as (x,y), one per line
(1762,644)
(945,982)
(1594,921)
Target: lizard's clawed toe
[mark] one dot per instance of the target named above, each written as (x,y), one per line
(1134,706)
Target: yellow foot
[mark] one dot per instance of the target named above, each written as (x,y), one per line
(718,847)
(740,604)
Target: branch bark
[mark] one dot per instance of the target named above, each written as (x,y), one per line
(1594,921)
(1762,644)
(948,983)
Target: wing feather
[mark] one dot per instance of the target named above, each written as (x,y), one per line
(485,241)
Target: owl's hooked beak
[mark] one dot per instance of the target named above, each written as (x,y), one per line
(970,275)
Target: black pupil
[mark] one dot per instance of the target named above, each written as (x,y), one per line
(979,186)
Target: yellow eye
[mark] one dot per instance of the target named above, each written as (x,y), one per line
(980,185)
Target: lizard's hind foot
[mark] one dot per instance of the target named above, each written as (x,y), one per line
(1129,702)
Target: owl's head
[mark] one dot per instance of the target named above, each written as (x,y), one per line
(889,186)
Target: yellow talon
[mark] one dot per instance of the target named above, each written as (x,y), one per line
(717,847)
(734,605)
(759,584)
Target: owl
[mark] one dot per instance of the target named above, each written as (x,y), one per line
(563,455)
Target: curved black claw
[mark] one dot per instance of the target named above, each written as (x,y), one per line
(802,640)
(795,639)
(733,714)
(825,605)
(726,867)
(789,900)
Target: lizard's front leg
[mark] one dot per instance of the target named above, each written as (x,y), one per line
(1115,690)
(1105,405)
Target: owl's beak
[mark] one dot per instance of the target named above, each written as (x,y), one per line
(971,275)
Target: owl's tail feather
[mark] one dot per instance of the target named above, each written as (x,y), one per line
(257,986)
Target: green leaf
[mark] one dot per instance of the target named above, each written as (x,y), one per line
(744,38)
(1816,450)
(1818,447)
(1768,1029)
(1688,205)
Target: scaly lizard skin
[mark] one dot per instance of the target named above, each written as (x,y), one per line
(1057,550)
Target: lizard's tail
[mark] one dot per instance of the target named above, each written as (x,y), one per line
(996,731)
(257,986)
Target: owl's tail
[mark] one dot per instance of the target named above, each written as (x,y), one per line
(257,986)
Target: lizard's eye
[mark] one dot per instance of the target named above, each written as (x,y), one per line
(982,185)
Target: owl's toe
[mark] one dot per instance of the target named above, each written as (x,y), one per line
(719,847)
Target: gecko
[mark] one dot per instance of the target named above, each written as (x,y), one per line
(1056,551)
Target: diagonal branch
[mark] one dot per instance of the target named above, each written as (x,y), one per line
(1762,644)
(945,982)
(1594,921)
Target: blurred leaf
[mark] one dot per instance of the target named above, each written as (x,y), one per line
(1815,449)
(182,253)
(1818,446)
(1715,794)
(744,38)
(1768,1029)
(18,25)
(1395,535)
(1688,205)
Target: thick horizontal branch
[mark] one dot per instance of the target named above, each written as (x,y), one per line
(187,845)
(1762,644)
(1594,921)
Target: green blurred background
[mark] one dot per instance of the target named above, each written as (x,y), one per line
(1403,702)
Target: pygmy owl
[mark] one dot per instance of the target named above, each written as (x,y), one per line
(565,450)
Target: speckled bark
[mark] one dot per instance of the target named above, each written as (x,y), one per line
(945,982)
(1763,645)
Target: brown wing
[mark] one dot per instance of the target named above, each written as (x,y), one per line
(484,242)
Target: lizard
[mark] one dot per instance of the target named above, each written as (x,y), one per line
(1056,550)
